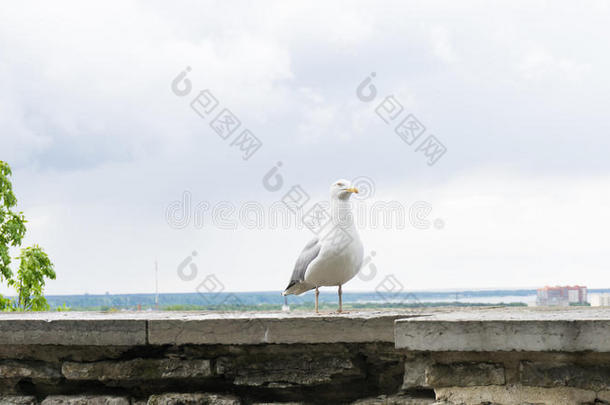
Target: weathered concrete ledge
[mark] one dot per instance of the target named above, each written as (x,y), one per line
(508,329)
(249,328)
(495,329)
(68,328)
(179,328)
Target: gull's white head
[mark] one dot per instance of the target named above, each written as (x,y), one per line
(342,190)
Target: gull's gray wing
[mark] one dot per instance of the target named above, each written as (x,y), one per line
(309,253)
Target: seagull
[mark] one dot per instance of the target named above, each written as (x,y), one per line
(334,259)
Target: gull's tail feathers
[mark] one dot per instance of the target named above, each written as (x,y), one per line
(298,288)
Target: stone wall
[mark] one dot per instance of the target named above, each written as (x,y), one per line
(360,358)
(510,377)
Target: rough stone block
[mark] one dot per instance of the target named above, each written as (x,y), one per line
(137,369)
(395,400)
(593,377)
(10,369)
(515,395)
(415,372)
(193,399)
(465,374)
(84,400)
(57,353)
(604,396)
(17,400)
(279,403)
(286,371)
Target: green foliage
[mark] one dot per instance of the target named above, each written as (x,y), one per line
(12,224)
(29,282)
(5,303)
(34,265)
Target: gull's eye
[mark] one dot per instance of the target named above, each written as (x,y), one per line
(340,184)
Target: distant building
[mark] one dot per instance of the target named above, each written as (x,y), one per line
(563,296)
(600,300)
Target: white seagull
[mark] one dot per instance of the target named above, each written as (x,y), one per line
(330,261)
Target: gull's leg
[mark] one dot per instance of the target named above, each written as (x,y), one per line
(340,300)
(317,293)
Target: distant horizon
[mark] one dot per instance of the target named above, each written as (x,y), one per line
(330,290)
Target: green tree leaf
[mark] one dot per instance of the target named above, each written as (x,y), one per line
(35,265)
(12,224)
(29,282)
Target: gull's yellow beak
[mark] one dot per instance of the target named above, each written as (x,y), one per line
(352,190)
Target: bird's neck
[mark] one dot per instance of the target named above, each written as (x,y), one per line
(341,213)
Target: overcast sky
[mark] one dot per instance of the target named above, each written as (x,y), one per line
(517,92)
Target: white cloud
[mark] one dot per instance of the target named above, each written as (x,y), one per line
(441,44)
(541,66)
(100,145)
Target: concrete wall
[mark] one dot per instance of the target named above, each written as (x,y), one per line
(479,356)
